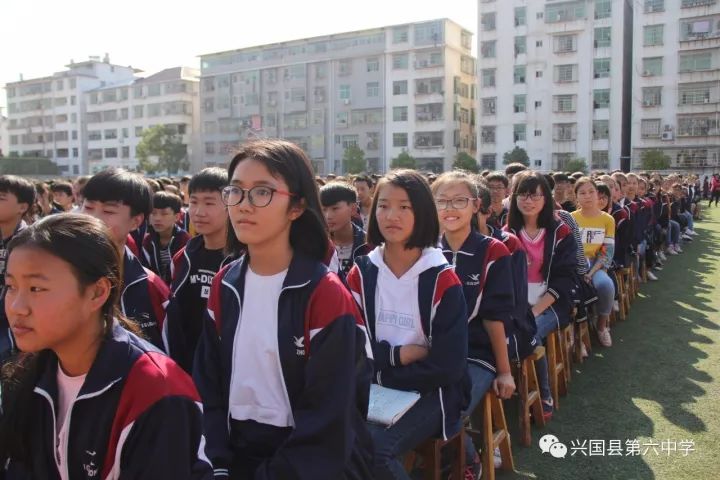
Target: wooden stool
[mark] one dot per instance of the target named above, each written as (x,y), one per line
(567,340)
(494,435)
(623,297)
(643,270)
(582,337)
(431,453)
(630,284)
(528,390)
(556,365)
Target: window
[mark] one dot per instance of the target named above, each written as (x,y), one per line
(565,132)
(487,49)
(345,67)
(154,90)
(320,71)
(603,37)
(488,106)
(429,139)
(520,45)
(487,161)
(519,74)
(341,119)
(564,103)
(538,133)
(538,74)
(698,126)
(600,160)
(400,61)
(400,114)
(95,154)
(560,160)
(601,68)
(488,21)
(111,153)
(466,39)
(110,134)
(138,131)
(73,83)
(428,86)
(75,152)
(650,128)
(344,92)
(367,116)
(138,91)
(94,135)
(429,112)
(126,134)
(318,95)
(519,132)
(603,9)
(601,98)
(694,94)
(564,43)
(429,33)
(520,16)
(601,129)
(565,73)
(373,89)
(696,3)
(74,135)
(652,6)
(125,152)
(652,96)
(519,103)
(400,139)
(564,12)
(488,77)
(487,134)
(695,62)
(400,87)
(400,35)
(653,35)
(652,67)
(373,64)
(539,43)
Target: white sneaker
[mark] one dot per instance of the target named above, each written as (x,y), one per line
(497,458)
(583,350)
(687,237)
(661,256)
(691,232)
(651,276)
(604,337)
(678,249)
(616,306)
(658,268)
(671,251)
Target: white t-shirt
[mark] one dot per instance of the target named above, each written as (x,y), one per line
(68,389)
(257,386)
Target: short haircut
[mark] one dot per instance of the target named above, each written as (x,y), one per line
(550,180)
(584,181)
(619,176)
(603,189)
(365,178)
(154,184)
(22,188)
(63,187)
(484,196)
(167,200)
(118,185)
(577,175)
(498,177)
(560,178)
(212,179)
(514,168)
(335,192)
(426,228)
(185,179)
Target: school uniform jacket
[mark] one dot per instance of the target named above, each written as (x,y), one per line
(484,267)
(623,233)
(138,415)
(324,362)
(443,317)
(151,247)
(558,269)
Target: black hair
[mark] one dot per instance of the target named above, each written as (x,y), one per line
(498,177)
(212,179)
(364,178)
(154,185)
(515,168)
(335,192)
(603,189)
(559,177)
(551,181)
(528,182)
(118,185)
(287,161)
(186,178)
(167,200)
(426,228)
(85,244)
(22,188)
(484,196)
(63,187)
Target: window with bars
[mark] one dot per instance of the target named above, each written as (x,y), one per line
(520,16)
(652,66)
(400,139)
(488,77)
(519,103)
(564,103)
(488,161)
(694,95)
(603,37)
(601,98)
(564,12)
(601,68)
(487,134)
(698,126)
(487,49)
(520,45)
(653,35)
(652,96)
(650,128)
(601,129)
(488,106)
(600,160)
(565,43)
(487,20)
(564,132)
(653,6)
(519,132)
(565,73)
(695,62)
(519,74)
(603,9)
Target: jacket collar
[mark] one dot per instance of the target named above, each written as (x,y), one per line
(132,268)
(301,272)
(469,246)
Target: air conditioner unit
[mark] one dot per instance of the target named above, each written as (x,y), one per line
(346,101)
(666,136)
(647,103)
(646,73)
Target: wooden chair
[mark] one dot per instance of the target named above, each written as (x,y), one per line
(556,365)
(630,284)
(623,297)
(643,270)
(431,453)
(528,390)
(582,337)
(567,341)
(494,435)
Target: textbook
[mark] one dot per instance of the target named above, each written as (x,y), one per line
(388,405)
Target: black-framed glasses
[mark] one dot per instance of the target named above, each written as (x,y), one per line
(535,197)
(458,203)
(259,196)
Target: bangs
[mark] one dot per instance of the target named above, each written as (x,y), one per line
(529,185)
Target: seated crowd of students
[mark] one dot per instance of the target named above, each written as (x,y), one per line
(230,325)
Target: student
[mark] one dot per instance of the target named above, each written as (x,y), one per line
(569,204)
(195,265)
(62,197)
(281,364)
(484,267)
(364,186)
(562,183)
(122,200)
(416,316)
(338,201)
(87,398)
(165,238)
(597,230)
(498,184)
(551,252)
(77,188)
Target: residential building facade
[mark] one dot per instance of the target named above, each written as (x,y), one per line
(403,88)
(4,140)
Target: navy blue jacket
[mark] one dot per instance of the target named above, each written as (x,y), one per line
(324,355)
(151,247)
(138,415)
(443,317)
(623,235)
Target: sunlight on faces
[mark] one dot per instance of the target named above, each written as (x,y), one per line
(642,188)
(498,192)
(394,214)
(337,216)
(163,219)
(529,207)
(631,187)
(587,196)
(207,212)
(10,208)
(603,202)
(256,226)
(454,219)
(364,193)
(63,199)
(45,305)
(116,216)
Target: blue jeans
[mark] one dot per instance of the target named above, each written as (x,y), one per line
(673,233)
(422,421)
(482,381)
(690,222)
(546,322)
(606,292)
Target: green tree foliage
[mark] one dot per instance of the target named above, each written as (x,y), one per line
(577,164)
(654,160)
(404,160)
(465,161)
(516,155)
(354,160)
(161,150)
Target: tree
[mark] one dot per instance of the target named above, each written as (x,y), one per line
(654,160)
(465,161)
(516,155)
(404,160)
(577,164)
(164,144)
(354,159)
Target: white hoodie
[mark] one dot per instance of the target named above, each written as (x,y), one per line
(397,311)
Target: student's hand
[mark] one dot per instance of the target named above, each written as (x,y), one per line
(588,278)
(504,385)
(412,353)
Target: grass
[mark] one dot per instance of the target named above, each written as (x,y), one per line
(660,381)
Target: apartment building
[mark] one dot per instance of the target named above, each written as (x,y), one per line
(118,114)
(554,79)
(676,87)
(402,88)
(4,140)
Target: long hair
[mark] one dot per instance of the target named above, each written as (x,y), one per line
(287,161)
(527,182)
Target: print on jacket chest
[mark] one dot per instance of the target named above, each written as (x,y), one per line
(90,466)
(394,319)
